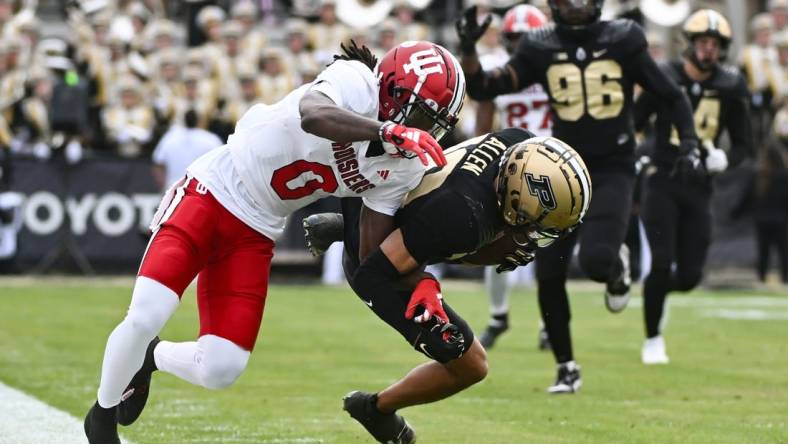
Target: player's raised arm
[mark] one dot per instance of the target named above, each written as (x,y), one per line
(483,85)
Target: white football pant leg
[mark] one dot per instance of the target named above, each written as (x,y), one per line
(332,264)
(499,286)
(152,304)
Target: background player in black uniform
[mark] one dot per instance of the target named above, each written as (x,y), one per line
(474,209)
(588,68)
(676,207)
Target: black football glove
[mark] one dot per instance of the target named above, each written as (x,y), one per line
(470,30)
(688,166)
(523,255)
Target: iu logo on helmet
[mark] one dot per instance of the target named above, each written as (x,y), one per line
(424,63)
(542,189)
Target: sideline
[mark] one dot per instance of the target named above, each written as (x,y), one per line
(26,420)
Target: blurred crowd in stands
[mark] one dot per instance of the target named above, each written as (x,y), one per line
(115,75)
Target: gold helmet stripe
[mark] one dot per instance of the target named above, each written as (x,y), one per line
(570,157)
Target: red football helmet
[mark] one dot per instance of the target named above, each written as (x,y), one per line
(421,86)
(518,20)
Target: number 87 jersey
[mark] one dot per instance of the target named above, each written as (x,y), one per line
(271,167)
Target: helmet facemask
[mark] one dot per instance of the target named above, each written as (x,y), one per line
(423,114)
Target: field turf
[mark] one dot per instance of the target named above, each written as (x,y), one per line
(726,383)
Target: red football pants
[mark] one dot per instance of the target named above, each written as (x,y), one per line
(198,235)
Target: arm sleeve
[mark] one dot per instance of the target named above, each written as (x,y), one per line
(512,77)
(444,226)
(350,85)
(737,122)
(656,81)
(645,106)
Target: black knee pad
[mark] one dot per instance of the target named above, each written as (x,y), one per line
(687,280)
(598,262)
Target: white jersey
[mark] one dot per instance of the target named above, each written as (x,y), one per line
(529,108)
(271,167)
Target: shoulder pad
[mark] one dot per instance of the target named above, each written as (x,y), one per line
(513,135)
(544,37)
(623,31)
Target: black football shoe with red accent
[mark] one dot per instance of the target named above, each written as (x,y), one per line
(133,400)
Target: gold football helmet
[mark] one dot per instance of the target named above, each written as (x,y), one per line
(543,183)
(707,22)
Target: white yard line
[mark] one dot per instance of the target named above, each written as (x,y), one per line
(26,420)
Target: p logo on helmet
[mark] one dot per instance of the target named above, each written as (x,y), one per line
(543,183)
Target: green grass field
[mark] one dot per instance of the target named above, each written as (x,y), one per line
(727,381)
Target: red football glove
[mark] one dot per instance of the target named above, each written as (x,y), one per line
(413,140)
(427,294)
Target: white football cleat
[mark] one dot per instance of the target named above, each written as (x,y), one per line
(653,351)
(617,292)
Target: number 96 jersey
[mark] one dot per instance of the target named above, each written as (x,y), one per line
(271,167)
(589,76)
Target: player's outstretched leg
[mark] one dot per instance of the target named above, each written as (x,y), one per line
(498,289)
(321,230)
(136,394)
(389,428)
(617,291)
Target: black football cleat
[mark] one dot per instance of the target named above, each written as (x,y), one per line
(321,230)
(101,425)
(495,328)
(385,428)
(133,400)
(567,380)
(617,291)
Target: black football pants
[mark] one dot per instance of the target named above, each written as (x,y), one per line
(601,234)
(677,218)
(771,235)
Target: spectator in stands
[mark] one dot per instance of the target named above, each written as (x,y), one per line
(409,28)
(198,95)
(766,198)
(34,129)
(12,83)
(253,39)
(179,147)
(779,11)
(781,42)
(387,37)
(275,80)
(299,57)
(759,62)
(326,35)
(129,121)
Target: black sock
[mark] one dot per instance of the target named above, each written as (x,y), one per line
(655,291)
(108,414)
(554,305)
(499,320)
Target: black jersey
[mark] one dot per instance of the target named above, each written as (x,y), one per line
(454,210)
(589,78)
(719,102)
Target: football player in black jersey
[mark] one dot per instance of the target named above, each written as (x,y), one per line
(588,68)
(677,189)
(499,197)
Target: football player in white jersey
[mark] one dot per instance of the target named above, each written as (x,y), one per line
(354,131)
(529,109)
